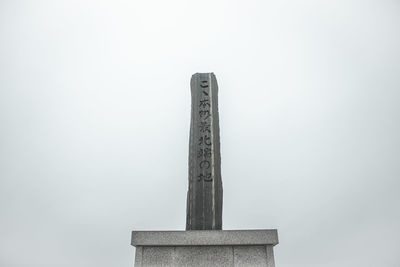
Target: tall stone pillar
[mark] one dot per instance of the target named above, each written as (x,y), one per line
(204,200)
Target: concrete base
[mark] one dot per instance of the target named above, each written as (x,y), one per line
(205,248)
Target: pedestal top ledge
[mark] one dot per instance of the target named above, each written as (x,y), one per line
(205,238)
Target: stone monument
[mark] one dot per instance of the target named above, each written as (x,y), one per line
(204,243)
(204,200)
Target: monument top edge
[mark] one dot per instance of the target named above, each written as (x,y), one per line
(205,238)
(203,73)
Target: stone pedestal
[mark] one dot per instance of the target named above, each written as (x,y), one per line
(205,248)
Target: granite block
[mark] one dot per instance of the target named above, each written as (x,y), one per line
(250,256)
(203,256)
(204,237)
(246,248)
(158,256)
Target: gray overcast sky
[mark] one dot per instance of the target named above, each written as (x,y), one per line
(94,120)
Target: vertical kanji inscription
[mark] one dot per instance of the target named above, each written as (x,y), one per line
(204,200)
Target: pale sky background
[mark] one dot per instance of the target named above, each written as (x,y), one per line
(94,120)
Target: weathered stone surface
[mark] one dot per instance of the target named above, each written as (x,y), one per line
(205,238)
(250,255)
(205,248)
(157,256)
(203,256)
(204,200)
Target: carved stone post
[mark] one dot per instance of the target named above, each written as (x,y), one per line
(204,200)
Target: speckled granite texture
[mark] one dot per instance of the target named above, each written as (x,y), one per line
(205,248)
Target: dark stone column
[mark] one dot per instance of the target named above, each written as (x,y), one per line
(204,200)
